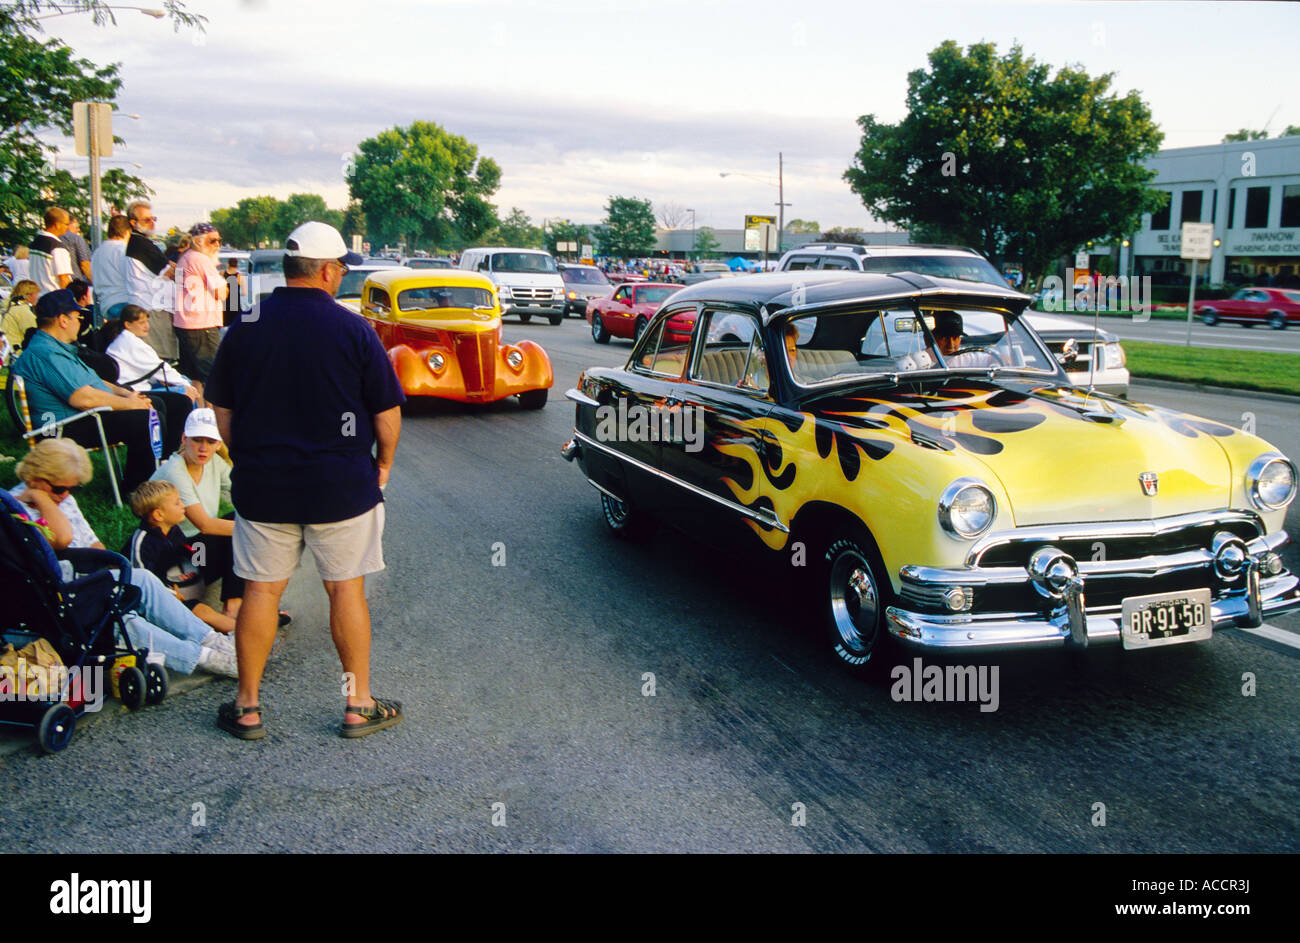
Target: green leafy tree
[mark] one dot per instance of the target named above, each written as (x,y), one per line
(517,230)
(250,222)
(803,226)
(424,186)
(354,221)
(300,208)
(1245,134)
(705,242)
(117,190)
(629,227)
(998,153)
(42,78)
(562,230)
(1292,130)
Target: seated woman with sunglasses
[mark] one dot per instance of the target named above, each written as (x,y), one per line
(49,473)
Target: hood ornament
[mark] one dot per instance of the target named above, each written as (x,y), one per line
(1150,482)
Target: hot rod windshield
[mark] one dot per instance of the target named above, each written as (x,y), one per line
(443,296)
(894,340)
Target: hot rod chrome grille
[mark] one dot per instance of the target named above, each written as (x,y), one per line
(1125,540)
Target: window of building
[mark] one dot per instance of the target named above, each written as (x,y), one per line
(1160,218)
(1232,209)
(1256,207)
(1191,210)
(1291,205)
(1214,206)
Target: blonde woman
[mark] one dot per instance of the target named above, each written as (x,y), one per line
(50,472)
(18,315)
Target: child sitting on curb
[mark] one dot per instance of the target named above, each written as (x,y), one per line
(159,545)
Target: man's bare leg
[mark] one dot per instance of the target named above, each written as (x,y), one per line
(255,628)
(350,626)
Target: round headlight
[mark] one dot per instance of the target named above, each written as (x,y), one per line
(967,508)
(1271,481)
(515,359)
(436,361)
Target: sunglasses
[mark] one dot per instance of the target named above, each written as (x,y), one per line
(63,489)
(146,219)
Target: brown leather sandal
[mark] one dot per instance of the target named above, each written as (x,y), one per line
(382,714)
(228,715)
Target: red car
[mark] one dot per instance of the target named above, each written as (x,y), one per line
(1275,307)
(629,309)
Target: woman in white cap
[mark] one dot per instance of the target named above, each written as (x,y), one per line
(202,477)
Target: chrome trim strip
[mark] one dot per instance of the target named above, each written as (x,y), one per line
(578,396)
(758,516)
(605,491)
(1051,533)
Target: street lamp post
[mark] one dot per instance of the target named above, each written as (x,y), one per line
(781,204)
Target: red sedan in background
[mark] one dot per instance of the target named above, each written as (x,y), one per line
(1275,307)
(629,309)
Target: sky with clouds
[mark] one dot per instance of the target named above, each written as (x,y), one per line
(580,100)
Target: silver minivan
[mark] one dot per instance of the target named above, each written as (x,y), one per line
(528,280)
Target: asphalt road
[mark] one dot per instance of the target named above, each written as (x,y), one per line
(524,685)
(1161,331)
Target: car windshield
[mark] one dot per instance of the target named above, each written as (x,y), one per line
(266,265)
(584,276)
(968,268)
(874,342)
(1292,296)
(443,296)
(535,263)
(350,286)
(653,296)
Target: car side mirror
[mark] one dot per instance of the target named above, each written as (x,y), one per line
(1069,352)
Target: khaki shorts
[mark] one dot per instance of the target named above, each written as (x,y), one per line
(343,550)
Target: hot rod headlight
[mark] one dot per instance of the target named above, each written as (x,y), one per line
(515,358)
(1271,481)
(967,508)
(435,361)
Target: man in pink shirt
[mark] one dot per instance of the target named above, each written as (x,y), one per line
(200,301)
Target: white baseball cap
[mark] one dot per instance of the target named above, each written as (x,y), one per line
(319,241)
(202,424)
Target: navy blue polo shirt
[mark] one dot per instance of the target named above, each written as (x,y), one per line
(303,383)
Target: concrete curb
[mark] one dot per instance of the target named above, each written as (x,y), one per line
(1220,390)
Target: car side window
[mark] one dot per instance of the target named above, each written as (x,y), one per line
(732,353)
(661,354)
(378,298)
(801,262)
(837,262)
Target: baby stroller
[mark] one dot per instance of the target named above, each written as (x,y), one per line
(80,618)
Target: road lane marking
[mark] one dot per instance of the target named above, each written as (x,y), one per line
(1270,636)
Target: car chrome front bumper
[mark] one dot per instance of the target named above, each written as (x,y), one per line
(1068,621)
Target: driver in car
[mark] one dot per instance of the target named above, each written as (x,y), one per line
(948,331)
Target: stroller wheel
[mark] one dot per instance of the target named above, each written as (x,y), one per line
(130,687)
(155,684)
(55,729)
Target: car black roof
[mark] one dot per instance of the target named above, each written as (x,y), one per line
(777,290)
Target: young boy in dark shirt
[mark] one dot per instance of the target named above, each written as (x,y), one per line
(160,546)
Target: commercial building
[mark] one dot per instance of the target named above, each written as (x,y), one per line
(1249,190)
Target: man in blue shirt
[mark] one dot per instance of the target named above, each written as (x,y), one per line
(59,384)
(303,391)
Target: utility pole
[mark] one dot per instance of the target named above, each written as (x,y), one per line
(780,202)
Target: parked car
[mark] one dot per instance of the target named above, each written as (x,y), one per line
(1099,363)
(442,331)
(627,311)
(581,284)
(265,274)
(1276,307)
(425,261)
(527,280)
(698,272)
(946,492)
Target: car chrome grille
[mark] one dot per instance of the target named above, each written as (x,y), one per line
(1116,545)
(532,294)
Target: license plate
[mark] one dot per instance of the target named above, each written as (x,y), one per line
(1166,619)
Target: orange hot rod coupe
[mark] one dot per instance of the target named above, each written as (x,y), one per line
(442,331)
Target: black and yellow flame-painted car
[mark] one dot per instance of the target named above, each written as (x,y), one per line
(917,447)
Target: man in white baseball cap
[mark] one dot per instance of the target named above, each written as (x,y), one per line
(302,393)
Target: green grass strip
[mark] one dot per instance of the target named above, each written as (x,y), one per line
(1265,371)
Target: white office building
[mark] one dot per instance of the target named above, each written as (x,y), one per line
(1249,190)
